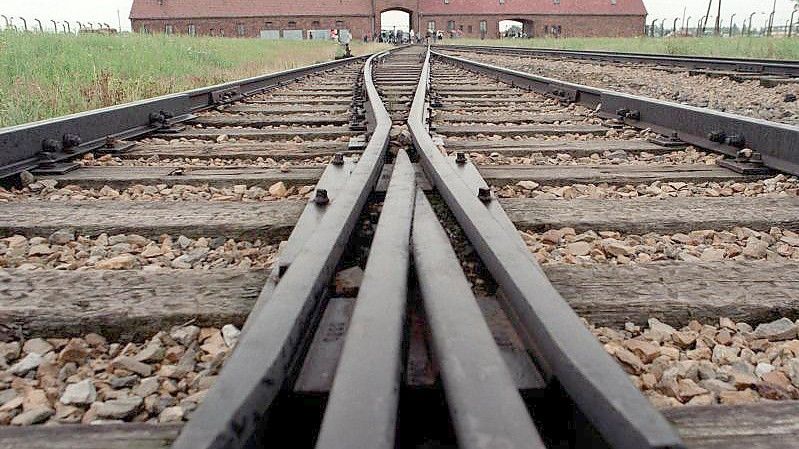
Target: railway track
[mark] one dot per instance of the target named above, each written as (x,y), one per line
(776,71)
(749,88)
(407,245)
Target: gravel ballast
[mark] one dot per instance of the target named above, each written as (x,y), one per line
(700,364)
(108,160)
(90,380)
(64,250)
(565,246)
(780,186)
(618,157)
(51,190)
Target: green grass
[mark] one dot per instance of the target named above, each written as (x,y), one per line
(46,75)
(746,47)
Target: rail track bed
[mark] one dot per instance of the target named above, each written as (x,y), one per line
(409,251)
(761,89)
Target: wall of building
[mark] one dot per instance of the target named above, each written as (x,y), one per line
(252,26)
(570,25)
(593,26)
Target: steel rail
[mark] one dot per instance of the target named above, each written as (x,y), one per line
(327,189)
(743,65)
(332,181)
(363,402)
(485,406)
(718,131)
(564,349)
(22,147)
(267,352)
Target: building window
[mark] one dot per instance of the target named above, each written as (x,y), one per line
(268,25)
(192,30)
(143,29)
(292,25)
(451,25)
(339,24)
(212,32)
(316,25)
(431,25)
(471,30)
(483,26)
(168,29)
(240,29)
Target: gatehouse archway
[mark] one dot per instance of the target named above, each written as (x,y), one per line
(515,28)
(395,22)
(395,11)
(396,19)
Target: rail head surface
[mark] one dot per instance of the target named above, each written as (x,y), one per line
(484,403)
(268,349)
(24,147)
(363,403)
(743,65)
(564,348)
(778,143)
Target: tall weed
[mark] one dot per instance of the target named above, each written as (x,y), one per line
(47,75)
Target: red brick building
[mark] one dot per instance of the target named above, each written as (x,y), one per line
(303,19)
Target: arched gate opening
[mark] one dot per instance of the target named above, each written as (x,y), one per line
(395,24)
(515,29)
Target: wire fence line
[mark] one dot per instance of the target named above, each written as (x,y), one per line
(36,25)
(705,26)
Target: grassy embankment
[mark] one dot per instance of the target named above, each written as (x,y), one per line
(46,75)
(745,47)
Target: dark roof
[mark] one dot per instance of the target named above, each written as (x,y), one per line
(172,9)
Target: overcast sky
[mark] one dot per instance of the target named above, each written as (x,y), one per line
(106,10)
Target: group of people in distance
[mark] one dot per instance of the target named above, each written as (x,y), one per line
(399,37)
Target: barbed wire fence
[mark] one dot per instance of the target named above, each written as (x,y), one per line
(766,24)
(36,25)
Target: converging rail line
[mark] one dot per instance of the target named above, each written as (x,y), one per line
(775,70)
(392,235)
